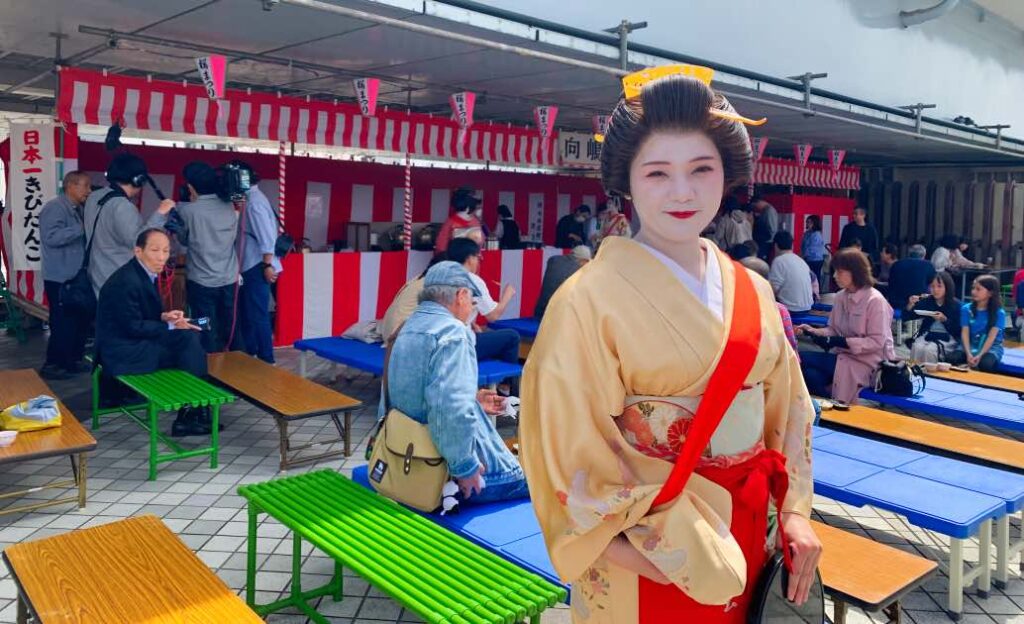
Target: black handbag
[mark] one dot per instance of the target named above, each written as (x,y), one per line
(770,605)
(284,243)
(899,378)
(77,292)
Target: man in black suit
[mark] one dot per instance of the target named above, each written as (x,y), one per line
(135,336)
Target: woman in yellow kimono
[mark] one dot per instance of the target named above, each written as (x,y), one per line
(623,357)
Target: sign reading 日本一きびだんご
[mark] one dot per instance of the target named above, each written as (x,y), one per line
(32,183)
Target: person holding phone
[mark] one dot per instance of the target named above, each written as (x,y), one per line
(135,336)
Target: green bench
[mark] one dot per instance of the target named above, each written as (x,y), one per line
(166,390)
(440,576)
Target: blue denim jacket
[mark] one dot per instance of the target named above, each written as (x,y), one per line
(432,377)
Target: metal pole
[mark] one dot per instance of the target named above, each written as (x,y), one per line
(806,79)
(917,109)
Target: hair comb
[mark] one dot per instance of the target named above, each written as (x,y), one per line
(634,83)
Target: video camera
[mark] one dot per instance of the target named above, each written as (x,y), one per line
(236,180)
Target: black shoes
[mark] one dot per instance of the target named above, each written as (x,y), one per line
(206,420)
(52,372)
(193,421)
(187,424)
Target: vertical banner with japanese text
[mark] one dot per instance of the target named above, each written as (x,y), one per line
(366,94)
(213,73)
(32,182)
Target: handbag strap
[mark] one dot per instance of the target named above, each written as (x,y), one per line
(103,202)
(387,361)
(725,383)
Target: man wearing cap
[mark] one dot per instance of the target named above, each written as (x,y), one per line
(432,378)
(559,269)
(464,203)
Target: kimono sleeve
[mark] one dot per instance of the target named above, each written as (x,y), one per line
(582,489)
(789,414)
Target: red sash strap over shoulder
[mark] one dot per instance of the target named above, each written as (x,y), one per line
(725,383)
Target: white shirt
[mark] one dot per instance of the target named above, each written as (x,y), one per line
(709,291)
(790,278)
(484,304)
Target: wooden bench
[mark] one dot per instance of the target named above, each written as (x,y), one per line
(70,439)
(865,574)
(441,577)
(983,380)
(125,572)
(288,397)
(972,446)
(167,390)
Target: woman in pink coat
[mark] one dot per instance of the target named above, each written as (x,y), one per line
(858,336)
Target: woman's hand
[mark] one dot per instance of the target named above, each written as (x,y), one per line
(809,330)
(940,317)
(805,548)
(972,360)
(623,554)
(912,301)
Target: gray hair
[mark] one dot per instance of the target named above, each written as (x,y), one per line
(444,295)
(917,251)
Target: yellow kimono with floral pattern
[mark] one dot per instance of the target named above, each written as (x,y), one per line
(624,326)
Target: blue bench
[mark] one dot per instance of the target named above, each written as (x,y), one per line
(807,318)
(370,358)
(947,496)
(526,327)
(951,399)
(822,307)
(1013,362)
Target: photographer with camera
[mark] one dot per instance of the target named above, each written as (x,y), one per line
(112,221)
(207,225)
(260,266)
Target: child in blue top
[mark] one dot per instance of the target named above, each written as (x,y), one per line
(983,321)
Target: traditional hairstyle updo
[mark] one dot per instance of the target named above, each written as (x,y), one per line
(678,104)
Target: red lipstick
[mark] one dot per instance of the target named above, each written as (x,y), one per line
(682,214)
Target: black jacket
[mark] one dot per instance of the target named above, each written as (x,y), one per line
(128,325)
(568,225)
(559,269)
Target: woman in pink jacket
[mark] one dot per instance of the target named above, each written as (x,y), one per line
(858,336)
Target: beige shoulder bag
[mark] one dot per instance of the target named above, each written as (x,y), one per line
(404,463)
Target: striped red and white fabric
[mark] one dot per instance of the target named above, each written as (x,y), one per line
(91,97)
(817,175)
(327,292)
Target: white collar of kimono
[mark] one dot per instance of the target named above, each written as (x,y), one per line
(709,291)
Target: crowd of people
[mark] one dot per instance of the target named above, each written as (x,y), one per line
(229,248)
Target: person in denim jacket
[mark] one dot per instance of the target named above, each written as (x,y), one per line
(432,377)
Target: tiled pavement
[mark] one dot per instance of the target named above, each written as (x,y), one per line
(202,507)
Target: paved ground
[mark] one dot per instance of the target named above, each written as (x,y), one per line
(201,506)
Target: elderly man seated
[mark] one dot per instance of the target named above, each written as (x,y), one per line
(432,377)
(135,336)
